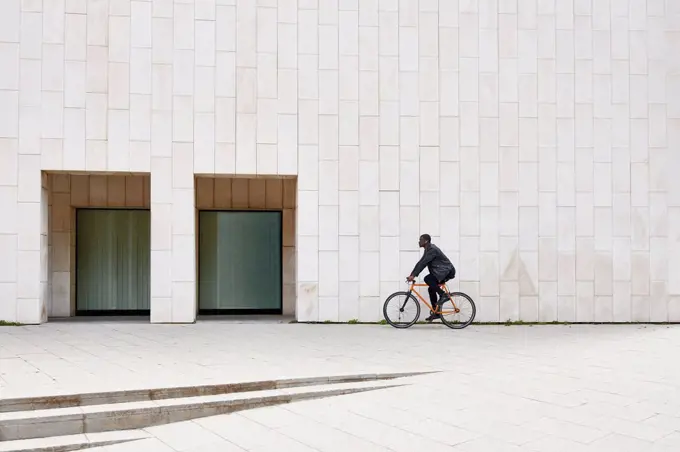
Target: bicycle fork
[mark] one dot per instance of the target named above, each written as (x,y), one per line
(401,309)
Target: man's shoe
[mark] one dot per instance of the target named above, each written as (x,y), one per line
(432,317)
(443,299)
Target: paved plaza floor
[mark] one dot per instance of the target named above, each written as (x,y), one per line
(593,388)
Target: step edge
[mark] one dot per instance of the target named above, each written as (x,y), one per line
(233,398)
(223,407)
(35,403)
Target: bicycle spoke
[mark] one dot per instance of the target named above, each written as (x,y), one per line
(457,310)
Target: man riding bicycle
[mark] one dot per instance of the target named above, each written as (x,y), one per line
(441,270)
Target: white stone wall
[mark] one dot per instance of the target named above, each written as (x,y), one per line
(536,140)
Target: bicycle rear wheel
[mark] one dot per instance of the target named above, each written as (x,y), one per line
(401,309)
(459,311)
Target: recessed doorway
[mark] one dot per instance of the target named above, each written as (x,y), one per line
(113,262)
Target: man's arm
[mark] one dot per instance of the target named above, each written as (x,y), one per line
(428,256)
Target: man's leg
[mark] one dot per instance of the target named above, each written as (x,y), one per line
(434,290)
(432,286)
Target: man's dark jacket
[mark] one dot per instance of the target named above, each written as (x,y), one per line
(436,262)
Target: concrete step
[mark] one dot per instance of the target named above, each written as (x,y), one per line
(72,442)
(140,395)
(136,415)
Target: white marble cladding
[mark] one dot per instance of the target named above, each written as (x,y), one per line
(537,141)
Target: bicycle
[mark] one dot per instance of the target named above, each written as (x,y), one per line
(453,306)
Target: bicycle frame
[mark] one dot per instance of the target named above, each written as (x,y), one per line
(437,310)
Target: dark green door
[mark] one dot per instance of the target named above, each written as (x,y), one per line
(239,262)
(113,250)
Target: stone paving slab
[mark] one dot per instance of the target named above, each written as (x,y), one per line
(372,423)
(542,388)
(72,442)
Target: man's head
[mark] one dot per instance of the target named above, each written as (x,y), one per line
(424,240)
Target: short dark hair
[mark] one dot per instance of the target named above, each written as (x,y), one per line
(426,237)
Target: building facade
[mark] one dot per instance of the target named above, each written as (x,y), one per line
(283,156)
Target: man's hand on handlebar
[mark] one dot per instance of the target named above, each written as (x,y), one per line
(410,278)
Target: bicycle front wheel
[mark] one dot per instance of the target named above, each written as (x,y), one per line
(458,311)
(401,310)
